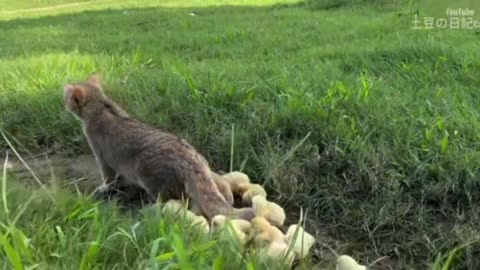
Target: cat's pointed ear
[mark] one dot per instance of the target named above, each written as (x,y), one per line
(74,94)
(95,79)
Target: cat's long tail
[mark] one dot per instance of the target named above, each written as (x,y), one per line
(201,188)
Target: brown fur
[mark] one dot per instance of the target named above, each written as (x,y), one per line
(223,187)
(164,165)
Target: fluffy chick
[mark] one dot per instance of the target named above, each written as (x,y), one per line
(173,206)
(302,243)
(202,223)
(238,182)
(239,227)
(346,262)
(252,191)
(278,250)
(263,232)
(243,225)
(269,210)
(177,207)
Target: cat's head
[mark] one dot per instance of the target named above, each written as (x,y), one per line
(86,99)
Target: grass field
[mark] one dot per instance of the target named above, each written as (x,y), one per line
(338,107)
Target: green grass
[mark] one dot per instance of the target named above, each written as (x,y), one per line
(74,233)
(391,163)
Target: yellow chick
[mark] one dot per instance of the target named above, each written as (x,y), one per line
(302,243)
(243,225)
(252,191)
(202,223)
(278,250)
(238,181)
(239,227)
(346,262)
(177,207)
(269,210)
(263,232)
(173,206)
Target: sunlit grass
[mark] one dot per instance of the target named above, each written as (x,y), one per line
(31,9)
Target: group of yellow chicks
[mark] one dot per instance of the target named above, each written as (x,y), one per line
(262,232)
